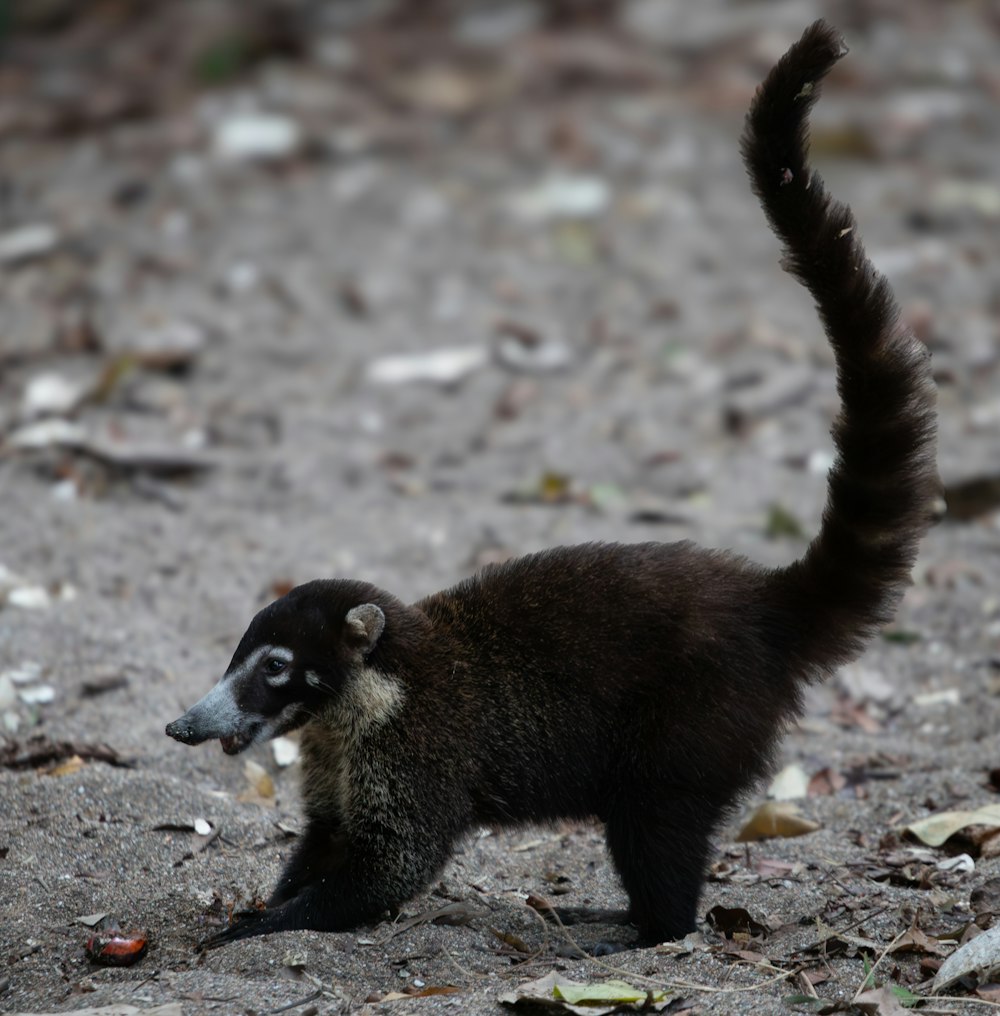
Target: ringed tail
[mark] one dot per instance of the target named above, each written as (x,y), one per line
(883,489)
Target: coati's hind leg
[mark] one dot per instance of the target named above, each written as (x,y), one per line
(661,851)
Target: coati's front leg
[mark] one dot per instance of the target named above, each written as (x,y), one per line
(336,882)
(321,850)
(334,903)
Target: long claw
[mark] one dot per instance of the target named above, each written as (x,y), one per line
(245,923)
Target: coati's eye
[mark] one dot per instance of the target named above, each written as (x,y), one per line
(274,665)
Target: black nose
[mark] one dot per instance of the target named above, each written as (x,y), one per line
(180,731)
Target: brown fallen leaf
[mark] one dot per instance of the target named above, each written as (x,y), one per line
(826,782)
(771,867)
(988,842)
(734,948)
(730,921)
(985,902)
(917,941)
(848,713)
(509,938)
(452,913)
(817,975)
(39,750)
(70,767)
(880,1002)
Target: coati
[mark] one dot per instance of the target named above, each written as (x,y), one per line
(645,684)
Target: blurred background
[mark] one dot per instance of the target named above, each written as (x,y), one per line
(391,290)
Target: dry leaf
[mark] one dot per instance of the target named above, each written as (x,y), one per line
(826,782)
(553,991)
(452,913)
(605,991)
(509,938)
(936,829)
(880,1002)
(791,783)
(91,920)
(985,901)
(258,778)
(775,818)
(979,956)
(917,941)
(961,864)
(71,766)
(731,921)
(396,996)
(987,841)
(772,867)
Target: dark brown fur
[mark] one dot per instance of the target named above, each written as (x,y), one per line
(646,684)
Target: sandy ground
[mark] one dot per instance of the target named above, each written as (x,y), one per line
(191,337)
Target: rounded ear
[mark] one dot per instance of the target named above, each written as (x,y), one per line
(363,626)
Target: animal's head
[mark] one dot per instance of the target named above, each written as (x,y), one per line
(295,657)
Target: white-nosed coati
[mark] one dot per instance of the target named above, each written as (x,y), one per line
(643,684)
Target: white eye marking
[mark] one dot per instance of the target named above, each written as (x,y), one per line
(277,666)
(259,656)
(279,679)
(248,666)
(313,679)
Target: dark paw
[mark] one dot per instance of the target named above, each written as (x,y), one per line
(245,924)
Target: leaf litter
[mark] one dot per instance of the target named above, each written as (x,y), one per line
(556,992)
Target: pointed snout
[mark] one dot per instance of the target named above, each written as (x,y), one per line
(217,715)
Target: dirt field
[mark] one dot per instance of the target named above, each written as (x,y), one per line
(205,267)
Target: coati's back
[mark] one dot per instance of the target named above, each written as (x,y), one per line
(579,663)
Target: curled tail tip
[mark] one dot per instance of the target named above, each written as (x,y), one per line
(819,48)
(795,79)
(775,137)
(822,33)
